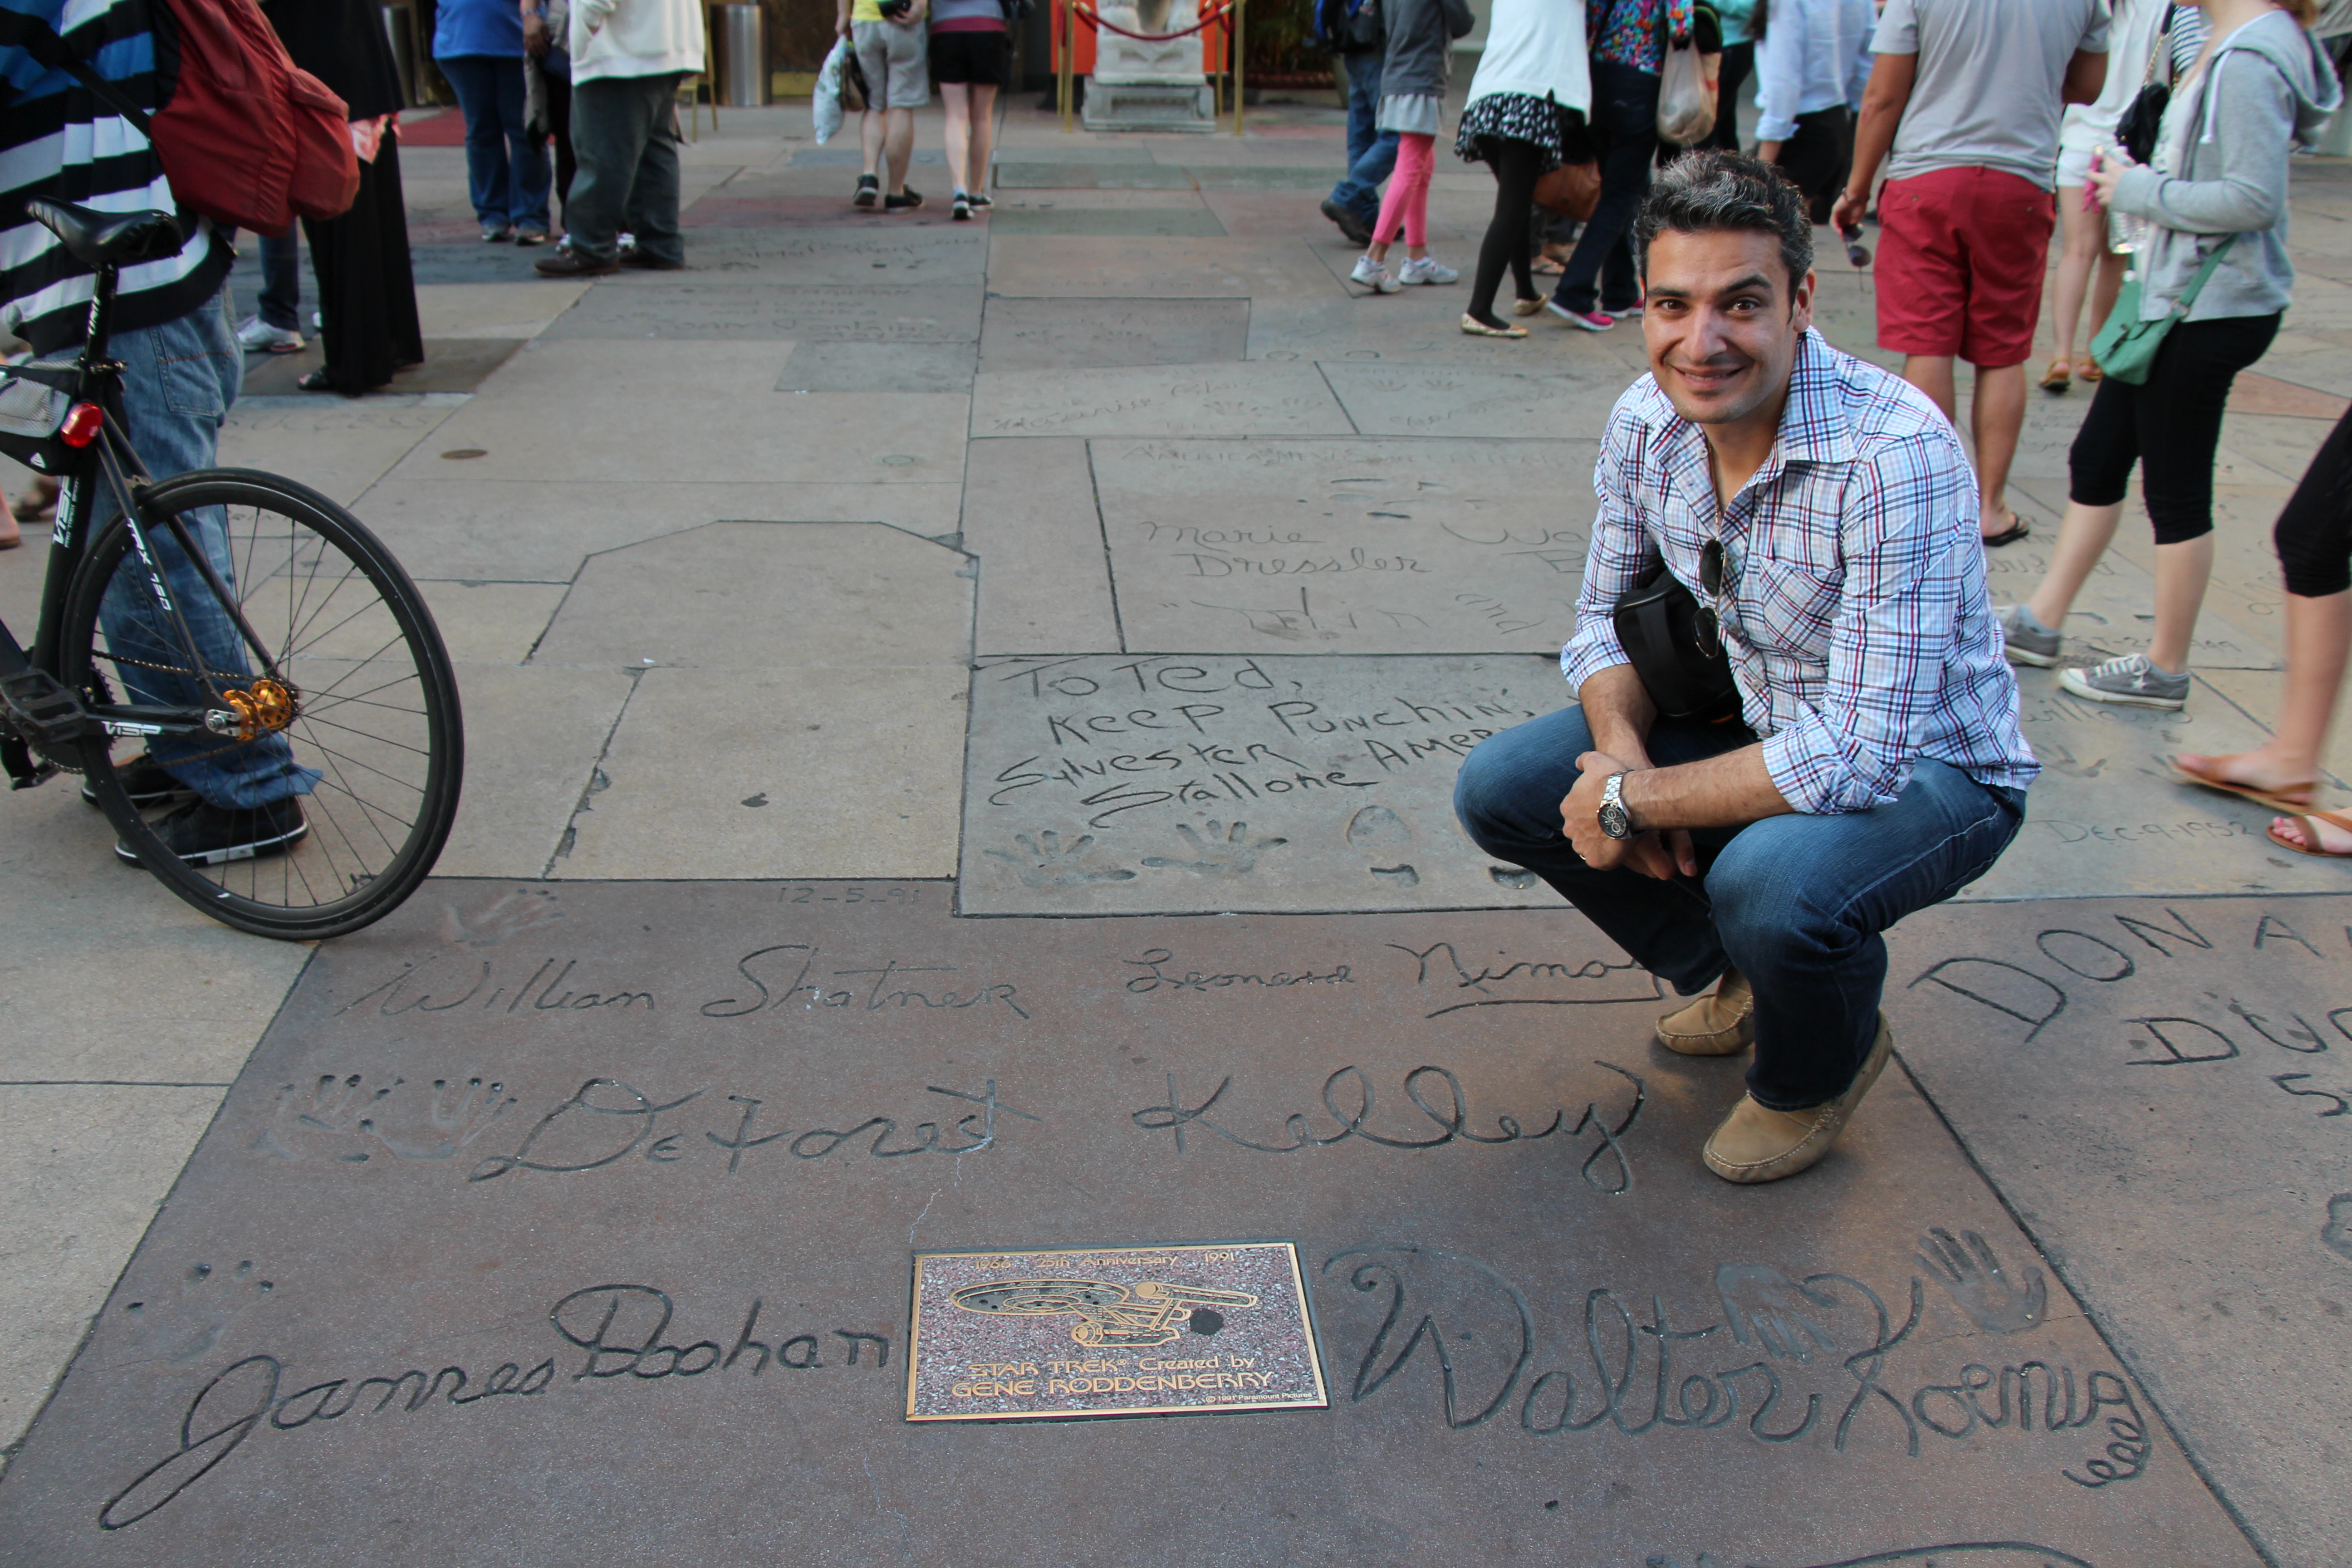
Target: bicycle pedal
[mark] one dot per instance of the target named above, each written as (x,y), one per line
(49,715)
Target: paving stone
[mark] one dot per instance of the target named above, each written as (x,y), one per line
(1013,175)
(1045,578)
(851,158)
(541,529)
(1081,334)
(855,256)
(1350,546)
(1114,784)
(2115,611)
(805,770)
(755,595)
(494,310)
(1425,325)
(339,448)
(879,367)
(86,1166)
(481,623)
(536,733)
(2109,817)
(1079,265)
(736,312)
(1260,177)
(968,1085)
(1127,223)
(451,364)
(1207,400)
(460,258)
(717,419)
(2159,1089)
(1554,402)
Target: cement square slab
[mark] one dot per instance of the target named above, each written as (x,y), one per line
(1447,545)
(1045,578)
(434,260)
(536,735)
(494,310)
(758,594)
(1235,399)
(1127,223)
(1260,177)
(847,256)
(735,311)
(798,771)
(1078,266)
(339,448)
(1554,402)
(1424,325)
(1114,784)
(879,367)
(2159,1088)
(2108,817)
(451,364)
(2115,611)
(563,1145)
(1030,176)
(1080,334)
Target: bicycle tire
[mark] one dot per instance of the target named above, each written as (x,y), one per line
(317,589)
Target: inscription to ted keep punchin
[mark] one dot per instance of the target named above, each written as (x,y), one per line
(1214,1327)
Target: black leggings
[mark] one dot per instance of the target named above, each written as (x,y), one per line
(2314,532)
(1517,166)
(2171,425)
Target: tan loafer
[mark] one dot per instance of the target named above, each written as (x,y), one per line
(1717,1025)
(1755,1144)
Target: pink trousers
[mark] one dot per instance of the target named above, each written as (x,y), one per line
(1407,200)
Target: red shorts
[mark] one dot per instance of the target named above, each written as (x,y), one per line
(1960,259)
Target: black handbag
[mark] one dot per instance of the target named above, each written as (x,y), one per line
(2136,127)
(1681,662)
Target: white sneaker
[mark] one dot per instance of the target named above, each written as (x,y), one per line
(1427,270)
(258,336)
(1373,276)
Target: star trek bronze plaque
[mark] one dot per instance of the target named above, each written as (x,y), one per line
(1140,1331)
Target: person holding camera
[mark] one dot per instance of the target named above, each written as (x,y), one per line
(1847,753)
(888,37)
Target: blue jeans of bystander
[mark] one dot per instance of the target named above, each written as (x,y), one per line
(1795,903)
(1371,154)
(506,166)
(178,380)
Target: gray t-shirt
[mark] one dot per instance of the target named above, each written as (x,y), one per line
(1990,72)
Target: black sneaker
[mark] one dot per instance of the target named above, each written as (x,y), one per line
(206,835)
(980,199)
(869,191)
(1357,230)
(961,211)
(144,780)
(908,201)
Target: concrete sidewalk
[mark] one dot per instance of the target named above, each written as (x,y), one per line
(857,552)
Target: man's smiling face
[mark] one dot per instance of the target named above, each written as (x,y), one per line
(1722,323)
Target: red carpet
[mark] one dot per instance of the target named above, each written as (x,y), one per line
(432,127)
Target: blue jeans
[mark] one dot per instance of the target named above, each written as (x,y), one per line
(1625,120)
(1795,903)
(1371,154)
(505,168)
(178,380)
(281,281)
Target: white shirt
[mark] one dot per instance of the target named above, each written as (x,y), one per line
(1536,47)
(1815,54)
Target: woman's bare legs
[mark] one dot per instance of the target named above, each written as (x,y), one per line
(2182,571)
(2318,638)
(982,143)
(2083,537)
(2085,235)
(2106,285)
(955,97)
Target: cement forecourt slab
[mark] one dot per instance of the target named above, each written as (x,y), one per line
(538,1216)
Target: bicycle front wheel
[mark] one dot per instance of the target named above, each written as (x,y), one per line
(346,762)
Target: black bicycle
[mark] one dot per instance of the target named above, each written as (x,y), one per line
(224,628)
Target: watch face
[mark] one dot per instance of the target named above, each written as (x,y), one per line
(1613,821)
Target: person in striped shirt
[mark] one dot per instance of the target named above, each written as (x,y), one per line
(1822,513)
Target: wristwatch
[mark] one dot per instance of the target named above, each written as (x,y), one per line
(1615,820)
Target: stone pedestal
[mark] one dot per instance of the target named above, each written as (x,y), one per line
(1149,86)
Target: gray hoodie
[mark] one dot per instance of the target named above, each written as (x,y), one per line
(2221,168)
(1418,60)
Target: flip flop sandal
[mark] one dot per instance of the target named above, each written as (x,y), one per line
(2017,529)
(1545,267)
(2057,378)
(2276,800)
(2088,371)
(1526,307)
(2303,820)
(1472,326)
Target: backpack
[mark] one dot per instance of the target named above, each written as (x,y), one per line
(1348,27)
(244,137)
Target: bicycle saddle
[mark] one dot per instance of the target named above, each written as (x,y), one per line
(109,239)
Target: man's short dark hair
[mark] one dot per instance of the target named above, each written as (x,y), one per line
(1711,191)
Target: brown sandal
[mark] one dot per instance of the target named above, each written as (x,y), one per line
(2303,820)
(2289,798)
(2057,378)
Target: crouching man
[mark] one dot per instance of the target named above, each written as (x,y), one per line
(1822,514)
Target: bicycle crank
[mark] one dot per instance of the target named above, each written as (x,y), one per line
(265,707)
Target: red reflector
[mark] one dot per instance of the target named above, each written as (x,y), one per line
(81,426)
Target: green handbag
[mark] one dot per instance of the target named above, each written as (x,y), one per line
(2125,347)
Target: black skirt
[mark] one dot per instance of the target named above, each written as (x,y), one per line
(367,293)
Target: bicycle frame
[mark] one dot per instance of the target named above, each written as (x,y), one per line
(35,676)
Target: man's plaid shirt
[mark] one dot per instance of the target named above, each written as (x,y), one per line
(1854,605)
